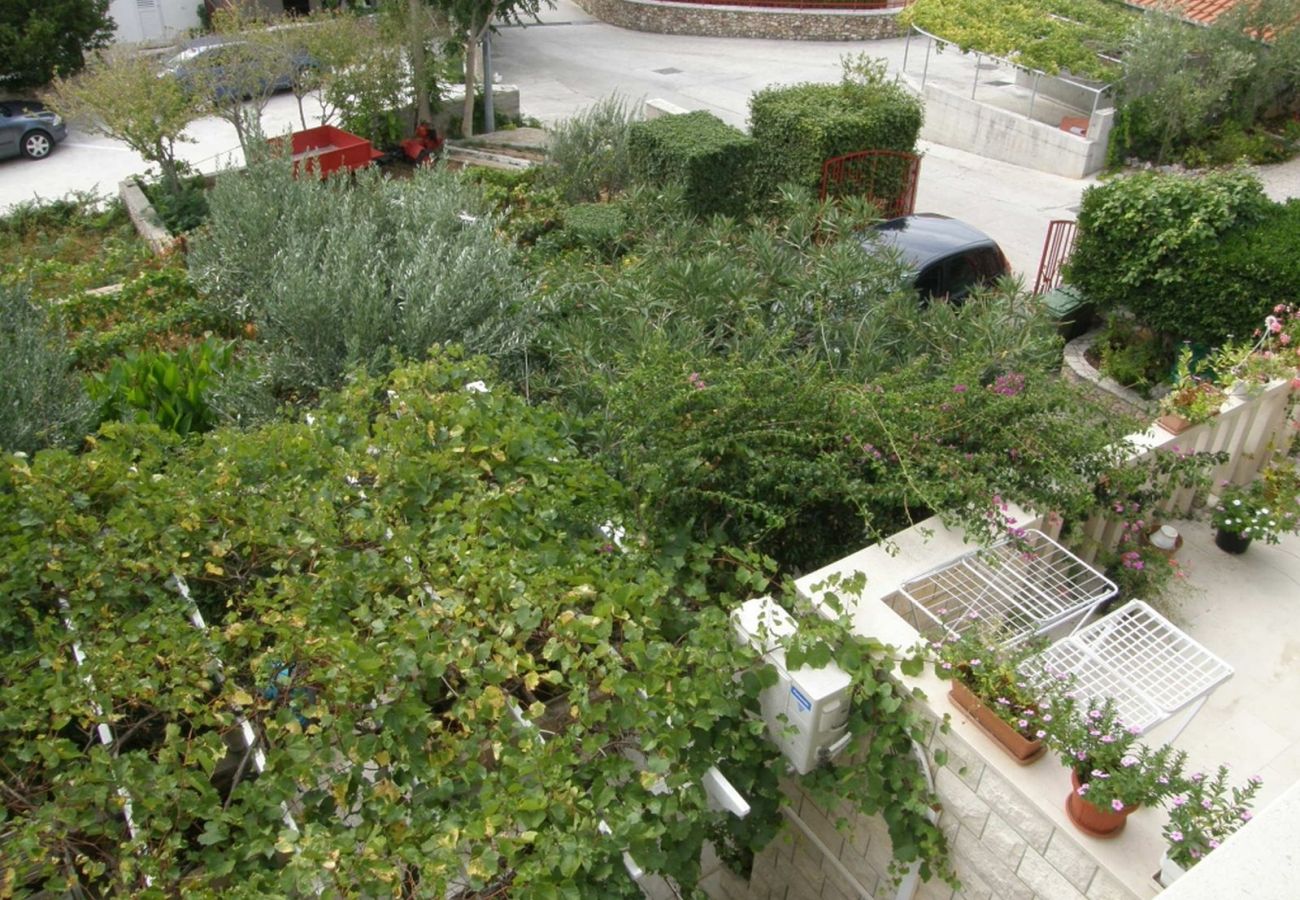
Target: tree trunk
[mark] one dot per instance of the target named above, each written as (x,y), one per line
(419,62)
(471,63)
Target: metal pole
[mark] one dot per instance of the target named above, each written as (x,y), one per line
(907,45)
(976,83)
(1034,95)
(489,113)
(926,71)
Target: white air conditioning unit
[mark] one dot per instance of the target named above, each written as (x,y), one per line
(807,710)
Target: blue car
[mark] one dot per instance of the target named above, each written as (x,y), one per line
(28,129)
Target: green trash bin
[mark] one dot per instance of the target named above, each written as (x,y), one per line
(1072,313)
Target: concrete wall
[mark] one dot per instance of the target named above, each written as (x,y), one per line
(747,22)
(961,122)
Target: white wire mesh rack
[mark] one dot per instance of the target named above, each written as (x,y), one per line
(1151,668)
(1017,587)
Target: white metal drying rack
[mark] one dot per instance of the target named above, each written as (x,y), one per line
(1136,656)
(1020,587)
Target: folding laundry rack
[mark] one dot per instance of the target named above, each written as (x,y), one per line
(1018,588)
(1137,657)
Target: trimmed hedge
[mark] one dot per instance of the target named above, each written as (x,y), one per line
(1196,258)
(711,160)
(801,126)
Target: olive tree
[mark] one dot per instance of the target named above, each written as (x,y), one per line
(121,95)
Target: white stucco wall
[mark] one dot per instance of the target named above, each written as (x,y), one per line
(149,21)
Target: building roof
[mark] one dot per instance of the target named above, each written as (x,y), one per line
(1203,11)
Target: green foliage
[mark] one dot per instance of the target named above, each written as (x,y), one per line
(798,127)
(346,271)
(40,39)
(180,211)
(1050,35)
(1149,242)
(599,227)
(1205,812)
(1252,269)
(710,160)
(587,154)
(57,247)
(412,606)
(172,390)
(1132,354)
(156,309)
(1195,93)
(41,402)
(369,94)
(1264,509)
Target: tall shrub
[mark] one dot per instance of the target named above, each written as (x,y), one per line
(1146,242)
(709,159)
(356,271)
(587,154)
(798,127)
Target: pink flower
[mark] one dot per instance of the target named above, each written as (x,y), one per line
(1128,761)
(1083,789)
(1117,805)
(1040,734)
(1246,815)
(1213,843)
(1175,835)
(959,388)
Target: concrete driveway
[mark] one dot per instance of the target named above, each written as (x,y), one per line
(570,60)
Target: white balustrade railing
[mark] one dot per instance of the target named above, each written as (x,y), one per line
(1250,430)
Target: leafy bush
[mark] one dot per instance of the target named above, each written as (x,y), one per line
(355,271)
(1148,242)
(599,227)
(709,159)
(391,585)
(1253,269)
(587,154)
(798,127)
(41,401)
(172,390)
(1194,93)
(183,210)
(1050,35)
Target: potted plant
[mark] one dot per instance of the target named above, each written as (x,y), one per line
(1202,814)
(1246,367)
(1192,400)
(1110,772)
(987,685)
(1265,509)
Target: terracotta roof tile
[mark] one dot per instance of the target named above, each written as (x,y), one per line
(1203,11)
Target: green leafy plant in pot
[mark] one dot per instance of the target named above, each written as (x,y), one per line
(1263,510)
(1192,400)
(988,686)
(1203,812)
(1112,774)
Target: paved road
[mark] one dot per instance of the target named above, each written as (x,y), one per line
(570,60)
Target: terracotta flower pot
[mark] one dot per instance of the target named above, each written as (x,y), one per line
(1094,820)
(1231,541)
(1017,746)
(1173,424)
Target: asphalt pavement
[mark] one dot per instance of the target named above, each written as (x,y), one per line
(570,61)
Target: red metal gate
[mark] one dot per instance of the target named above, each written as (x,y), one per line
(885,177)
(1057,248)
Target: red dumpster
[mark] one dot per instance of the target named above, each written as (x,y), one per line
(325,149)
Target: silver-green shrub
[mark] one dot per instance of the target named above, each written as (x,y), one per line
(42,402)
(587,154)
(356,271)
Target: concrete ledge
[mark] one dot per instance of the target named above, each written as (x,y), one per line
(657,108)
(748,22)
(145,218)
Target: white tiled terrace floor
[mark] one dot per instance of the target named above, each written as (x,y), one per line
(1246,609)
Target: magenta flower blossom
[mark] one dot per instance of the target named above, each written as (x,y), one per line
(1175,835)
(1128,761)
(1117,805)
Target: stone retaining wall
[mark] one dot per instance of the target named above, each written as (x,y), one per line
(748,22)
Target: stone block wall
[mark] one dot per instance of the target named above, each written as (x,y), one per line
(1002,845)
(748,22)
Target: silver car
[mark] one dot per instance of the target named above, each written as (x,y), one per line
(28,129)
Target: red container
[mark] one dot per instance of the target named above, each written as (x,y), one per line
(325,149)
